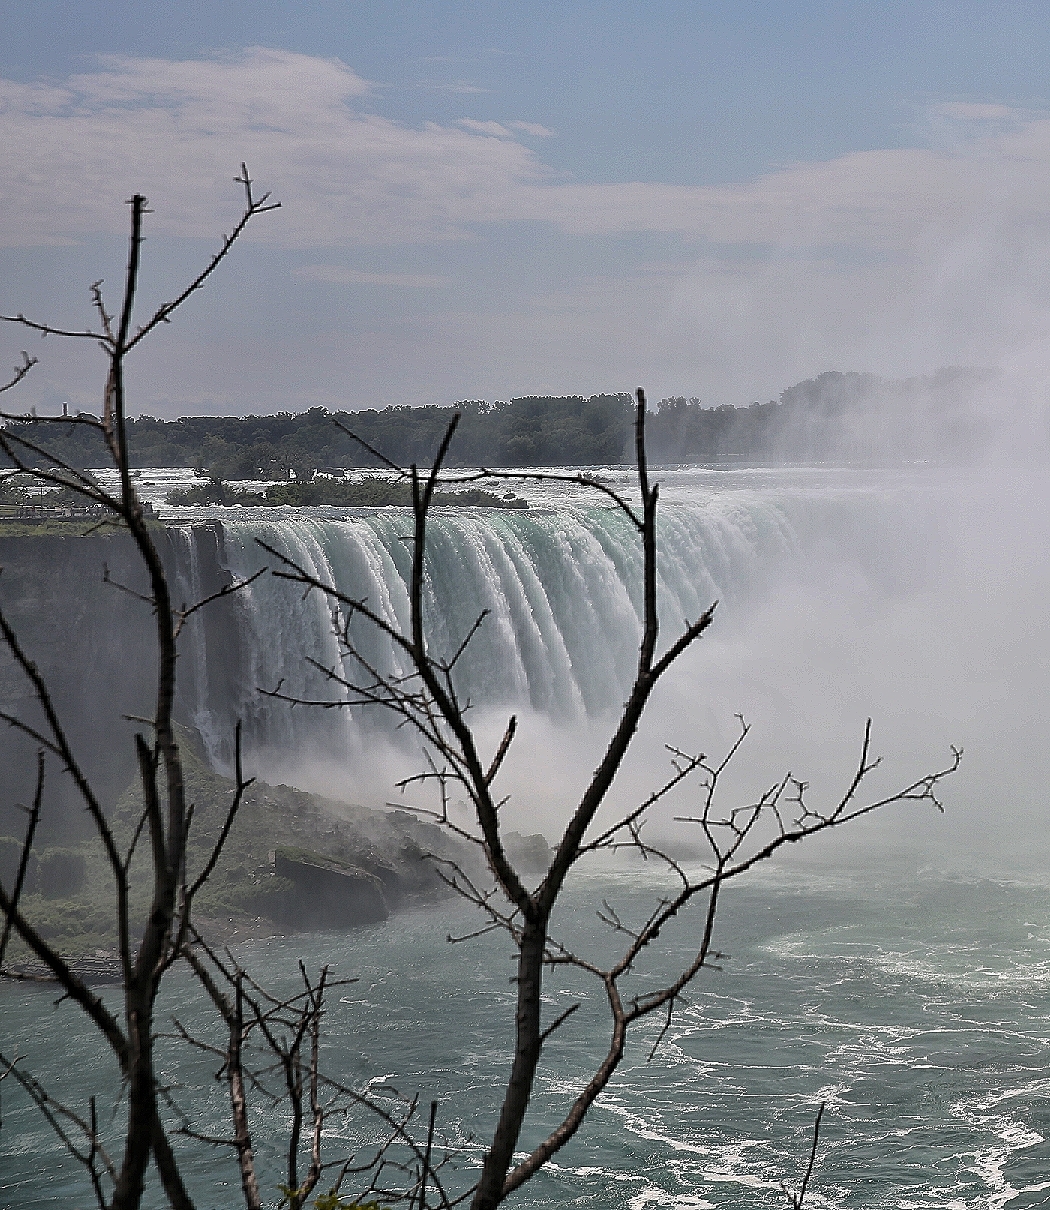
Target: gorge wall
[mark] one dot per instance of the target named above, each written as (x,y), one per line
(75,606)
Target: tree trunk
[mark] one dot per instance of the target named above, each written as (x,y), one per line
(526,1057)
(142,1104)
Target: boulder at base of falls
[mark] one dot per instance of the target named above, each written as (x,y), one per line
(325,893)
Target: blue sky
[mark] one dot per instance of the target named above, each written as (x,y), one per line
(486,200)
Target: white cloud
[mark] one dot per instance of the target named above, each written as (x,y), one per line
(533,128)
(489,128)
(969,111)
(893,260)
(177,131)
(340,275)
(256,86)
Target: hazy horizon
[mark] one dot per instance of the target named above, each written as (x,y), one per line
(480,201)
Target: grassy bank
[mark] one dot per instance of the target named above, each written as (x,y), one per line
(370,492)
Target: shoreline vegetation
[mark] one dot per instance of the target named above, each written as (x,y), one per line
(302,460)
(31,511)
(835,415)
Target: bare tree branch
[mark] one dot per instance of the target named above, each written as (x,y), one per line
(795,1199)
(23,861)
(165,818)
(19,372)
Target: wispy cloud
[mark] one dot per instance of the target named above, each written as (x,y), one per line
(896,259)
(340,275)
(504,130)
(533,128)
(971,111)
(176,130)
(489,128)
(457,87)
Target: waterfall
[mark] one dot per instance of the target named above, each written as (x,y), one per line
(560,586)
(843,594)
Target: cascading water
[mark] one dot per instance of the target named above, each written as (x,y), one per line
(560,586)
(844,593)
(560,583)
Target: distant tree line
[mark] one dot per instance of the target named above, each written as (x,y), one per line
(834,415)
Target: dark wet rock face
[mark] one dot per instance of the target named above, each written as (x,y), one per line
(531,854)
(293,861)
(91,643)
(326,894)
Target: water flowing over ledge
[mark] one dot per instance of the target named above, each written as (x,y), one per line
(561,587)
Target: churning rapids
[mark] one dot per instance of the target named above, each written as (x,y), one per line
(900,972)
